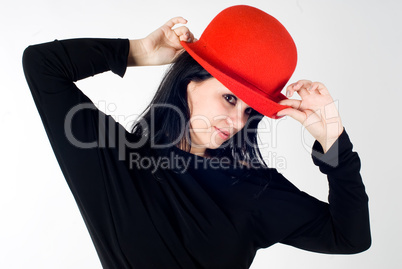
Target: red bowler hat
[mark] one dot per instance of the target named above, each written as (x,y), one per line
(251,53)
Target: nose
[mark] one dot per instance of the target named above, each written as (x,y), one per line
(237,118)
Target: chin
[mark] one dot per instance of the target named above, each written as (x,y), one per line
(212,147)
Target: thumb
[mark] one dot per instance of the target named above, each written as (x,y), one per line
(293,113)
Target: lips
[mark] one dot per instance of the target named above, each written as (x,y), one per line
(224,134)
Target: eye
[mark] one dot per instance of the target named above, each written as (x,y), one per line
(231,99)
(249,110)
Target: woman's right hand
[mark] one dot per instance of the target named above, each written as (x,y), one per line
(161,46)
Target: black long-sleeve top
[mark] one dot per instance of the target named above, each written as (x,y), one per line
(193,215)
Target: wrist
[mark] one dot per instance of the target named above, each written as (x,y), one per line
(326,145)
(137,55)
(327,142)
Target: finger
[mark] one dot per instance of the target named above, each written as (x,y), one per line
(291,102)
(294,113)
(170,23)
(300,87)
(192,38)
(183,33)
(319,88)
(289,90)
(302,92)
(304,82)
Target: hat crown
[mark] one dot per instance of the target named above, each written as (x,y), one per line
(253,45)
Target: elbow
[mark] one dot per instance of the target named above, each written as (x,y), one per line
(359,247)
(28,59)
(364,241)
(363,246)
(32,65)
(357,242)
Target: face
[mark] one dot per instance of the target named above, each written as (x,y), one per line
(216,114)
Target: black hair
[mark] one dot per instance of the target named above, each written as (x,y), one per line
(168,124)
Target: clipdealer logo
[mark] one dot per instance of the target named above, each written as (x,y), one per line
(111,134)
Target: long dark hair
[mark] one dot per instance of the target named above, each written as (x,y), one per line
(168,124)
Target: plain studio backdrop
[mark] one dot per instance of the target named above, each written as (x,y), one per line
(353,47)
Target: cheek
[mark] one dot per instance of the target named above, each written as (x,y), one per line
(218,113)
(200,114)
(206,110)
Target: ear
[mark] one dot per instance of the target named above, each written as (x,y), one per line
(191,86)
(190,92)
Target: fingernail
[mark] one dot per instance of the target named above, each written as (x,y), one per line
(287,93)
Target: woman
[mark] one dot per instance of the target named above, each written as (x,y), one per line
(188,188)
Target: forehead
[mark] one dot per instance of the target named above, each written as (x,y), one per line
(214,85)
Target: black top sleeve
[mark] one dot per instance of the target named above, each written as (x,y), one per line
(72,122)
(75,127)
(340,226)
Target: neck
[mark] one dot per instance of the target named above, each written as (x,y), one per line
(196,151)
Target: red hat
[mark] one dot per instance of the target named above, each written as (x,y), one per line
(251,53)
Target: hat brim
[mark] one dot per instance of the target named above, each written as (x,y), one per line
(244,90)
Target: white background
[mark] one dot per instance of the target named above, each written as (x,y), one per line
(353,47)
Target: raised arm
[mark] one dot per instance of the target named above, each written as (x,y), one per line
(76,129)
(345,227)
(52,68)
(340,226)
(74,125)
(80,134)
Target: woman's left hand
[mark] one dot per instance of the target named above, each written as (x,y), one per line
(316,111)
